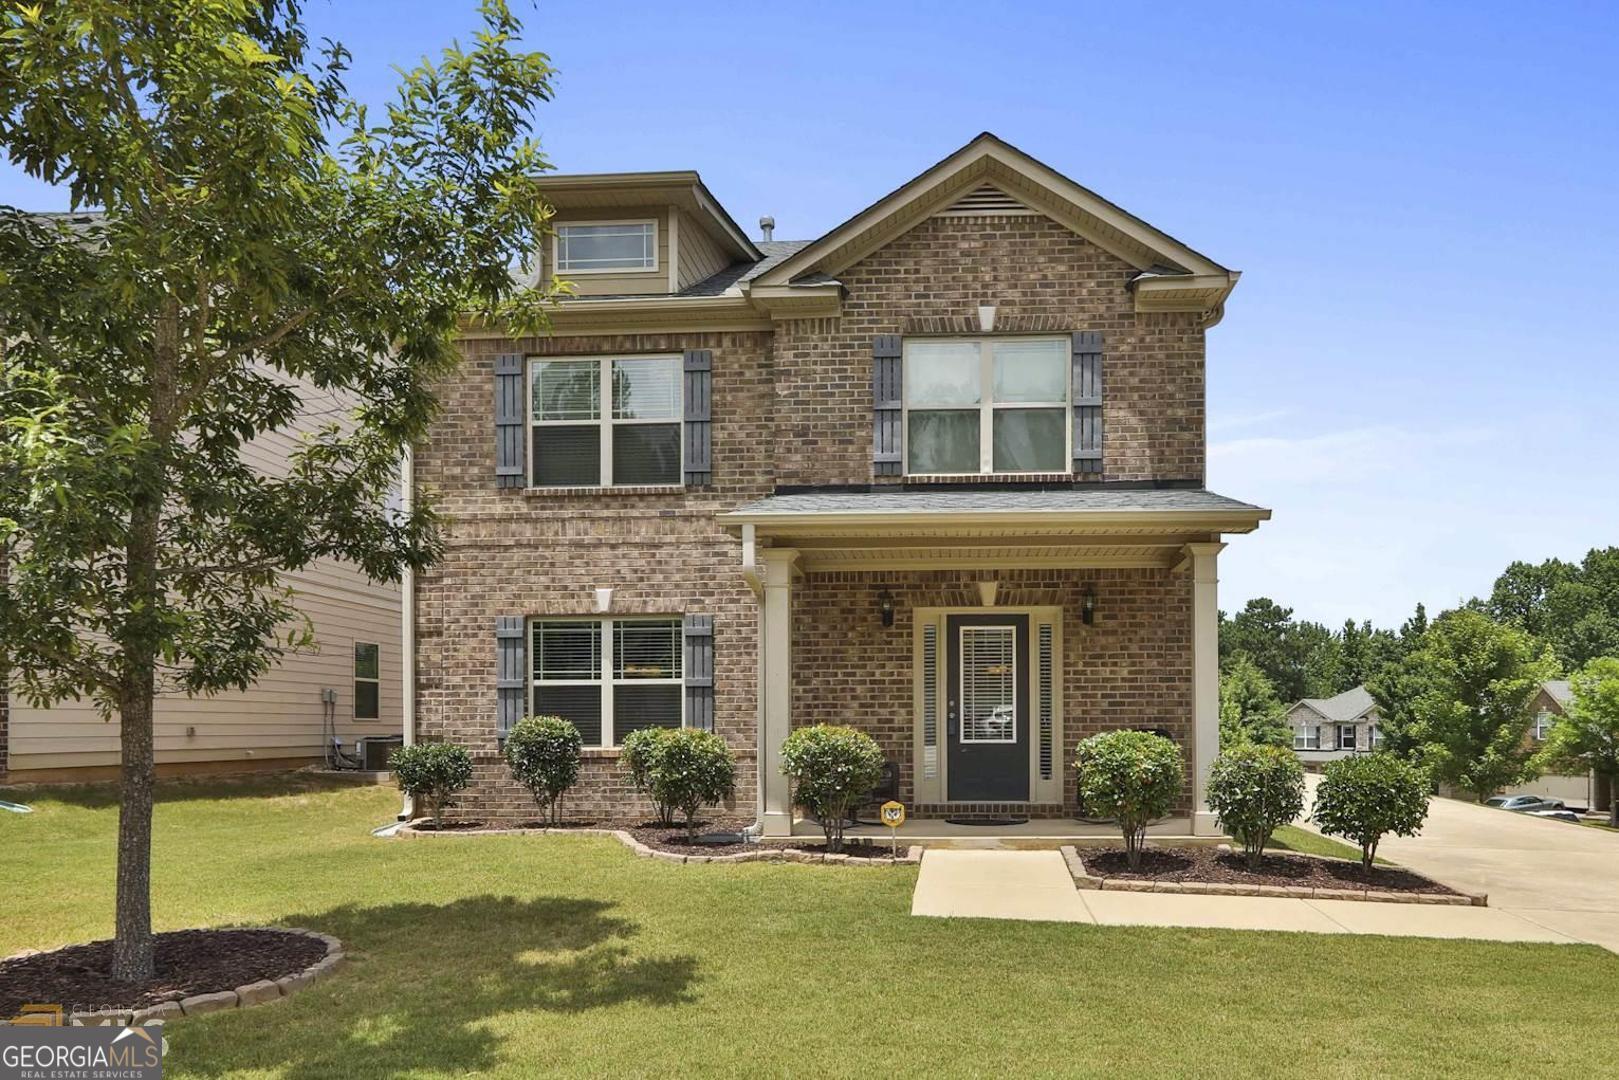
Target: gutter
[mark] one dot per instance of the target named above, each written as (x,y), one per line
(1222,520)
(407,628)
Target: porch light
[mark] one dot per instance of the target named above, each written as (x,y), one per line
(885,607)
(1087,606)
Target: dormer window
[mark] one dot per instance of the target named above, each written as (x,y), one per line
(606,247)
(987,405)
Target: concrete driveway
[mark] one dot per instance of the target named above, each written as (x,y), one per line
(1562,876)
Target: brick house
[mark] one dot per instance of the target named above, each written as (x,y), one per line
(937,474)
(1326,729)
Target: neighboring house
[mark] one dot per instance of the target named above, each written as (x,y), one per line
(937,474)
(1589,791)
(282,721)
(1325,729)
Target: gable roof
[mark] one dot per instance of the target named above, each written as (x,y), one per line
(1168,268)
(1558,690)
(1345,708)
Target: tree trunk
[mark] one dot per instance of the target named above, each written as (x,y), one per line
(132,954)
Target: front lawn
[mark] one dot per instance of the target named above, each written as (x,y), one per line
(518,956)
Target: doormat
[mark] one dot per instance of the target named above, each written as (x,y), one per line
(990,821)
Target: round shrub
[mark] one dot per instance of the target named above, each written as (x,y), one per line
(690,770)
(431,773)
(639,754)
(833,770)
(543,753)
(1363,798)
(1253,789)
(1132,777)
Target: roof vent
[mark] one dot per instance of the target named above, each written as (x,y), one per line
(986,199)
(767,227)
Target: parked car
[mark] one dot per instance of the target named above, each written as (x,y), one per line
(1524,803)
(1557,815)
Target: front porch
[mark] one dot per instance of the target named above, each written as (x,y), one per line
(979,636)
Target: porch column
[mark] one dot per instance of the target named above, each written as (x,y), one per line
(1205,680)
(775,689)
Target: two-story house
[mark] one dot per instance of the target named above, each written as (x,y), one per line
(937,474)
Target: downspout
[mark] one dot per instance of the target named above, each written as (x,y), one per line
(407,628)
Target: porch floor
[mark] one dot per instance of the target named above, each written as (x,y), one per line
(1036,832)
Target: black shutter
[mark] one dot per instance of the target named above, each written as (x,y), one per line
(698,435)
(1087,390)
(888,395)
(699,668)
(510,419)
(511,672)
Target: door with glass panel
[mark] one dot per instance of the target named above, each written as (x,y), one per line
(987,708)
(987,405)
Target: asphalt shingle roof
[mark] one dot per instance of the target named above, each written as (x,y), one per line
(1345,707)
(1063,500)
(1559,690)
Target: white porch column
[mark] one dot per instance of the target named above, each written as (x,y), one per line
(1205,679)
(775,689)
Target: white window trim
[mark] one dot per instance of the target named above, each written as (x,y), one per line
(556,248)
(1543,724)
(987,406)
(609,737)
(1354,738)
(605,419)
(961,685)
(354,690)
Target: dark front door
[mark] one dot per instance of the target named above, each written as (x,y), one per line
(987,708)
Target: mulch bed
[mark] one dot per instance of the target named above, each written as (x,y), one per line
(79,977)
(1211,865)
(674,839)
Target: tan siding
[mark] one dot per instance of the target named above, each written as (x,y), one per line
(640,282)
(699,256)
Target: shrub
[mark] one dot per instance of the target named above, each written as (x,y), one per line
(431,773)
(690,770)
(543,753)
(833,769)
(1253,789)
(1364,798)
(639,753)
(1132,777)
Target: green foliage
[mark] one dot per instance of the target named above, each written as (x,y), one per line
(1249,708)
(691,769)
(1254,790)
(1586,737)
(1460,703)
(1364,798)
(431,773)
(1132,777)
(1572,607)
(543,753)
(638,752)
(833,770)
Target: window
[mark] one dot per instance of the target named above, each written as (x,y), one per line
(987,405)
(1307,737)
(634,440)
(367,680)
(1377,736)
(1346,736)
(1543,724)
(608,676)
(606,247)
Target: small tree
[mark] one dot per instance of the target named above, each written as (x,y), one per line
(1587,737)
(1253,790)
(1249,708)
(1364,798)
(1132,777)
(833,770)
(543,752)
(639,754)
(431,773)
(692,769)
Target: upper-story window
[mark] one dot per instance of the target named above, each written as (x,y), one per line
(635,440)
(987,405)
(606,247)
(1543,725)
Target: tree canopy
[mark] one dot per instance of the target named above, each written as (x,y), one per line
(1586,737)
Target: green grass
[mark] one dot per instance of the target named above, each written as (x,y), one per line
(521,956)
(1293,838)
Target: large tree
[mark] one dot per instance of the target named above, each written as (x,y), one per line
(260,232)
(1572,607)
(1250,711)
(1461,702)
(1586,738)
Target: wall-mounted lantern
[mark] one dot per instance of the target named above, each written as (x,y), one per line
(885,607)
(1087,606)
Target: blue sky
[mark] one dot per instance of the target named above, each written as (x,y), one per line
(1418,370)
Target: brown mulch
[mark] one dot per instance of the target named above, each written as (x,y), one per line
(474,825)
(79,977)
(1211,865)
(674,839)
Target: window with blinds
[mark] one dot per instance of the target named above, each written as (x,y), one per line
(609,677)
(606,421)
(988,684)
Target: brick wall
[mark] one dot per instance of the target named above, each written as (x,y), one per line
(1131,668)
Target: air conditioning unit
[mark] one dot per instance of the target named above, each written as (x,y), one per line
(374,751)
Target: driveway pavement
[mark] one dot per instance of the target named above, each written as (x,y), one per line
(1562,876)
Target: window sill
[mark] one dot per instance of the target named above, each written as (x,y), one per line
(991,478)
(627,489)
(600,752)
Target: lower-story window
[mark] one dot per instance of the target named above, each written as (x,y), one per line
(1346,736)
(608,676)
(1307,737)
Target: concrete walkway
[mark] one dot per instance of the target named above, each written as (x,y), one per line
(1559,875)
(1036,885)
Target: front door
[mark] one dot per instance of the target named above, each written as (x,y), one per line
(987,708)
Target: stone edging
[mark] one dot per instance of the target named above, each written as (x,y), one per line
(1082,878)
(766,853)
(254,993)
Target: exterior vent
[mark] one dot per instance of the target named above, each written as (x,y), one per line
(985,200)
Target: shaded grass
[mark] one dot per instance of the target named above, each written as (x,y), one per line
(521,956)
(1293,838)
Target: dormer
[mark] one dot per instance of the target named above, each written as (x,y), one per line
(638,234)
